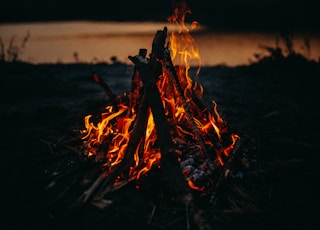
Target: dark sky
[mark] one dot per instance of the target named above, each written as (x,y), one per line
(222,14)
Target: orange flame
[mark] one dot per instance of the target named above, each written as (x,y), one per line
(184,50)
(195,187)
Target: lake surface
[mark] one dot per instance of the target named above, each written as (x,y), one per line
(91,42)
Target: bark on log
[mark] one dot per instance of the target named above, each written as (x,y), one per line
(113,98)
(171,171)
(136,83)
(96,78)
(179,89)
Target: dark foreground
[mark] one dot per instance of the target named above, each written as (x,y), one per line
(272,105)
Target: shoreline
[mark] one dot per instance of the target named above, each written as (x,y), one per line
(91,42)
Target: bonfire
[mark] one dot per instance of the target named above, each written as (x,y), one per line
(161,129)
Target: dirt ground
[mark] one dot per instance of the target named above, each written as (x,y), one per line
(271,104)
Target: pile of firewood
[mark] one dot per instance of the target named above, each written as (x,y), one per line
(191,165)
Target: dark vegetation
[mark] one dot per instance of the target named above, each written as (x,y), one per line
(13,51)
(271,104)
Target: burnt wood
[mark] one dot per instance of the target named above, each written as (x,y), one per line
(171,171)
(113,98)
(96,78)
(175,79)
(136,135)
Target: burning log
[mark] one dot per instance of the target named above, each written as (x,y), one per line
(137,134)
(176,82)
(169,161)
(136,83)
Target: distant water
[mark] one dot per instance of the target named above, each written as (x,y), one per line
(91,42)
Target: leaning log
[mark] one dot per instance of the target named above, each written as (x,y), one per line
(96,78)
(135,138)
(171,171)
(175,78)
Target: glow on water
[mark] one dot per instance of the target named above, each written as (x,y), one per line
(85,41)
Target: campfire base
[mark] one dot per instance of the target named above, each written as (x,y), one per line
(170,194)
(147,203)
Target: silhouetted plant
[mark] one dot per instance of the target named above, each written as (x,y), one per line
(277,53)
(14,51)
(115,60)
(307,44)
(288,40)
(274,53)
(2,52)
(76,57)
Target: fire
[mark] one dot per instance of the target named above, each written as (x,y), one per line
(184,50)
(197,133)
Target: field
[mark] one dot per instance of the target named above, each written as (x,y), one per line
(272,104)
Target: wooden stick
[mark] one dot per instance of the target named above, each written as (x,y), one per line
(177,85)
(171,171)
(106,88)
(87,194)
(96,78)
(136,83)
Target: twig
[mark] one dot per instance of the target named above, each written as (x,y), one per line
(227,165)
(87,194)
(152,214)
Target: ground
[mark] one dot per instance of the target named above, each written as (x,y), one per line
(271,104)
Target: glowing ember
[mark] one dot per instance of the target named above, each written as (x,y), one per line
(202,139)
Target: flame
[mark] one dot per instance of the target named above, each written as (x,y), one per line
(184,50)
(110,133)
(195,187)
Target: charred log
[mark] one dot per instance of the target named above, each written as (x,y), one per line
(96,78)
(171,170)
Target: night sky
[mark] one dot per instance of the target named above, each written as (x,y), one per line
(224,15)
